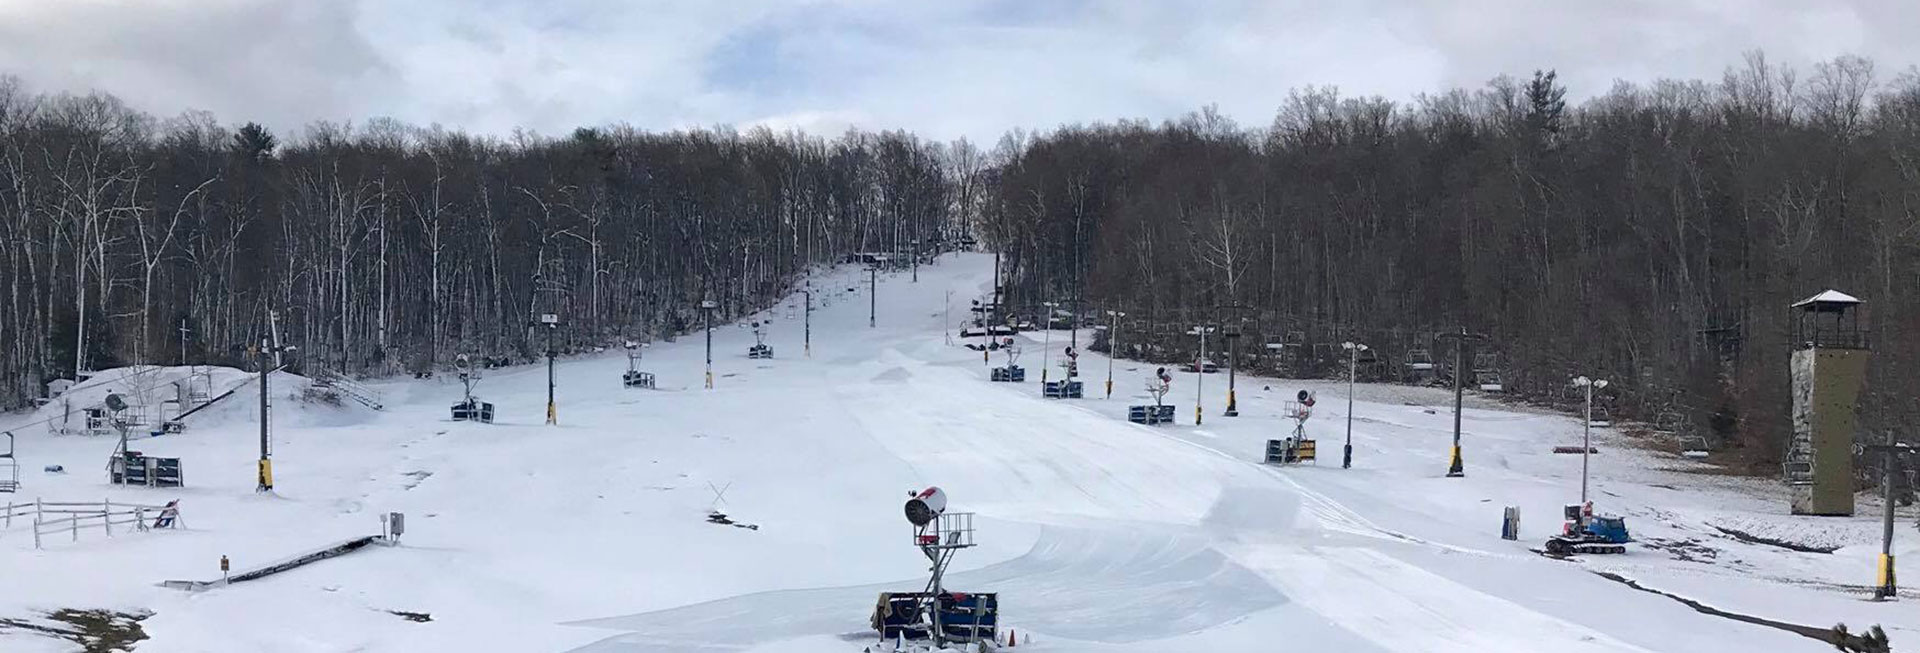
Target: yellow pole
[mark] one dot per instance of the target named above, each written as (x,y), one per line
(1885,577)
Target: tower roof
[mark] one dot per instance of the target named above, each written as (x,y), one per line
(1827,297)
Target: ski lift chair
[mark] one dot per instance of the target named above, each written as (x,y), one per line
(1693,445)
(1602,418)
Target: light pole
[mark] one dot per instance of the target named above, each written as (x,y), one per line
(1113,345)
(1586,434)
(1353,373)
(1199,370)
(706,307)
(551,322)
(1233,339)
(808,342)
(1046,341)
(1455,466)
(916,260)
(873,286)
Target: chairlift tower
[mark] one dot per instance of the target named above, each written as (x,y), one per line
(184,331)
(706,309)
(1455,466)
(262,351)
(1113,346)
(1232,331)
(873,290)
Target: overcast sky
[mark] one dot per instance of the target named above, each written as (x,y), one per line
(943,68)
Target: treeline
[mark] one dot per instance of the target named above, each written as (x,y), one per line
(1653,235)
(386,248)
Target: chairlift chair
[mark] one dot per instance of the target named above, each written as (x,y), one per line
(1419,360)
(1602,418)
(1693,445)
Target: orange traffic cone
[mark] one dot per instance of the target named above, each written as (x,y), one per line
(1012,641)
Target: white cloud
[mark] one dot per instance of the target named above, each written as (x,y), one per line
(940,68)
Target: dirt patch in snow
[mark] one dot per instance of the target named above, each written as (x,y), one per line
(1803,534)
(95,631)
(1784,544)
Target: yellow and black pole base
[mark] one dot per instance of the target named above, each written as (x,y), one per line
(553,413)
(709,379)
(1456,467)
(1196,414)
(1884,586)
(1233,406)
(266,475)
(1109,388)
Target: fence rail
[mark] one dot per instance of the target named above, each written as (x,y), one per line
(56,517)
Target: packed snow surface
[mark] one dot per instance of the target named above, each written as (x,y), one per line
(1099,535)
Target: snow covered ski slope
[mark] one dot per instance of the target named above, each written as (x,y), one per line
(1098,535)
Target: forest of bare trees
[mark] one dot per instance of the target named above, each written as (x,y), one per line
(386,248)
(1654,235)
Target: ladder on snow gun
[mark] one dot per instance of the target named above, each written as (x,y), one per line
(9,468)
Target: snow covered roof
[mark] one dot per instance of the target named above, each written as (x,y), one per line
(1828,296)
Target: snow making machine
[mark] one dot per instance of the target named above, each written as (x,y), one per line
(9,468)
(759,350)
(1070,387)
(470,409)
(1159,412)
(1296,447)
(1012,372)
(1585,532)
(633,377)
(935,614)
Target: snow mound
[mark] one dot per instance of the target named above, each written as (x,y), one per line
(1811,534)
